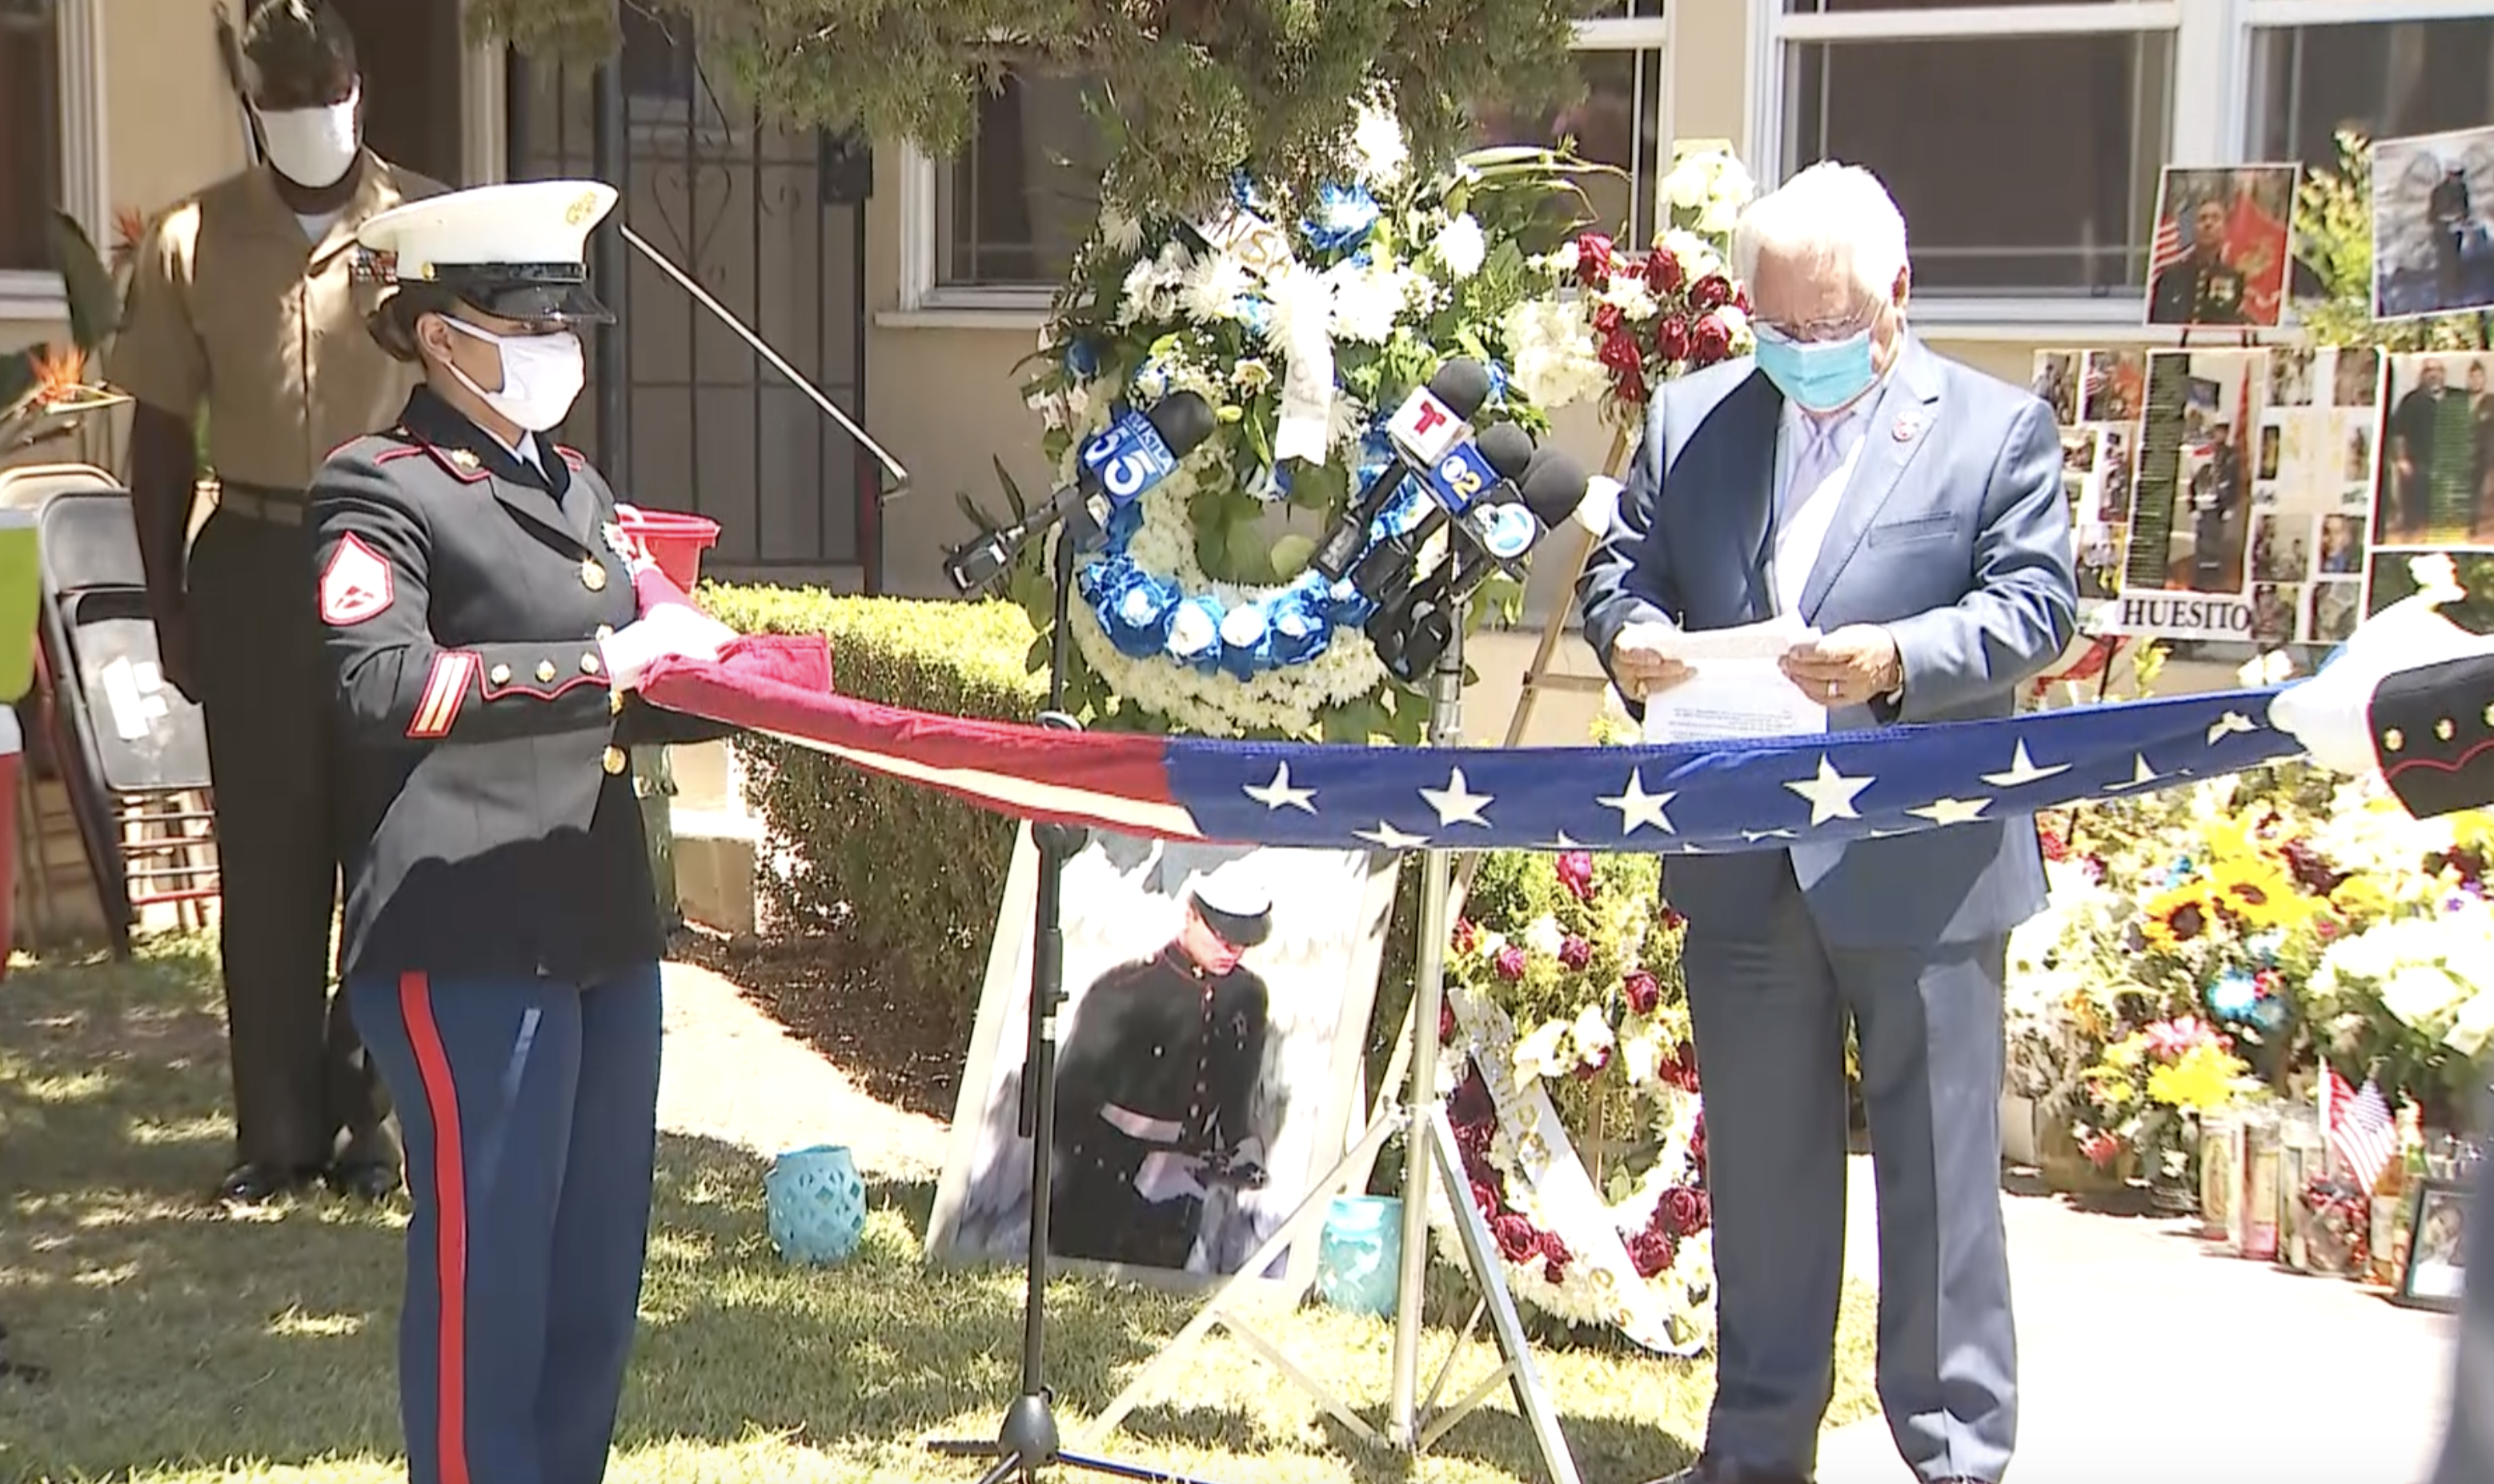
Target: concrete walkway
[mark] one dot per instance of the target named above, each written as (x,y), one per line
(2147,1356)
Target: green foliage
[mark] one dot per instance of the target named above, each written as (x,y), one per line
(1187,90)
(910,874)
(41,375)
(2334,237)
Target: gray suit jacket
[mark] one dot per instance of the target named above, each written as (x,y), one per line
(1953,533)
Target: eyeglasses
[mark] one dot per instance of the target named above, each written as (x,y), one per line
(1818,331)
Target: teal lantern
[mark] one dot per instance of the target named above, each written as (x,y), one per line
(1359,1258)
(816,1201)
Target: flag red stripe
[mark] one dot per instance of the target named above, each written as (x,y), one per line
(450,1224)
(782,687)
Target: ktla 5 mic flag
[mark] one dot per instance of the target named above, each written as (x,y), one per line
(1686,799)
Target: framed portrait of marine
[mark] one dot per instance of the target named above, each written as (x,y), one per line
(1208,1059)
(2223,244)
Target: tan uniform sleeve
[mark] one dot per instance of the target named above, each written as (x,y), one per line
(157,357)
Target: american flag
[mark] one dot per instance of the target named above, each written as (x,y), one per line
(1765,794)
(2169,247)
(2361,1131)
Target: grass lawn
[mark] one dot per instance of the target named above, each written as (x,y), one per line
(185,1344)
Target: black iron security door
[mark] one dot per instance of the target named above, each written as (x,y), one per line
(772,223)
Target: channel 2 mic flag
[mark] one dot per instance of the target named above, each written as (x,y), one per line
(1458,475)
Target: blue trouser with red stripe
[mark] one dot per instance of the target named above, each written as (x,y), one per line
(530,1111)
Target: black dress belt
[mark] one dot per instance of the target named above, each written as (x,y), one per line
(263,501)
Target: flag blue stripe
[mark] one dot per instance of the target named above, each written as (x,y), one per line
(1761,795)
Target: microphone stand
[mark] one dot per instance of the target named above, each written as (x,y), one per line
(1027,1440)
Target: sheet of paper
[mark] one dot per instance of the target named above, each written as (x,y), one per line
(1730,699)
(1766,641)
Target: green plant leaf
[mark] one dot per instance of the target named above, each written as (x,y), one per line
(1012,489)
(17,376)
(95,303)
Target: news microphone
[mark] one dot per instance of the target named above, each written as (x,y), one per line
(1135,452)
(1469,474)
(1410,636)
(1499,533)
(1431,421)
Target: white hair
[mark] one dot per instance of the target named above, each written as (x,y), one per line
(1836,216)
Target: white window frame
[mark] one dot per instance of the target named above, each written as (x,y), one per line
(2253,16)
(2212,39)
(926,302)
(2200,33)
(86,191)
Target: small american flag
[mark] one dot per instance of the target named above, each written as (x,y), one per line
(2169,248)
(2361,1131)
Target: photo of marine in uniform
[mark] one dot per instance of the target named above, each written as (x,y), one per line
(1216,1007)
(2433,237)
(2220,253)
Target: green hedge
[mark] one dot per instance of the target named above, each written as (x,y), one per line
(907,874)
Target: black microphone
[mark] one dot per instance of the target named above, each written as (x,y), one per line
(1133,453)
(1385,573)
(1430,421)
(1410,636)
(1499,536)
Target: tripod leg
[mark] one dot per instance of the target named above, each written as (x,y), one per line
(1113,1469)
(1431,1129)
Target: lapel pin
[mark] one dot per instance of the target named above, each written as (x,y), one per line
(1909,425)
(465,458)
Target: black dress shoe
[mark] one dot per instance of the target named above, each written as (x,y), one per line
(1724,1471)
(254,1183)
(369,1180)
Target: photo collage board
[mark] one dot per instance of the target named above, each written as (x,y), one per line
(2220,495)
(2435,492)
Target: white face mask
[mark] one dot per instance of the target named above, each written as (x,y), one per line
(313,147)
(542,374)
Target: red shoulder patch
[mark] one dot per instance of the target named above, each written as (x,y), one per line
(355,584)
(572,456)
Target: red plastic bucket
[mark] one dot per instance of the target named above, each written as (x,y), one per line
(674,540)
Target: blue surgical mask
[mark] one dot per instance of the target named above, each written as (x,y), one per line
(1817,376)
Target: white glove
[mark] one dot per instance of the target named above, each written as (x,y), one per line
(2330,713)
(668,629)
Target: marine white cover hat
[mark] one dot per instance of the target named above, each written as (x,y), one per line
(1235,902)
(519,251)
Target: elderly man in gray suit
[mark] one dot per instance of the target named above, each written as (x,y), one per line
(1908,510)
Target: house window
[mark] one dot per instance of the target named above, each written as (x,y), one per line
(30,133)
(2381,79)
(2022,141)
(1010,210)
(1025,192)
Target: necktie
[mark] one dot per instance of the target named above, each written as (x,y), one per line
(1820,453)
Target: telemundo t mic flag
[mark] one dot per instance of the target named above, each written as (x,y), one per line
(1485,468)
(1492,535)
(1135,452)
(1432,420)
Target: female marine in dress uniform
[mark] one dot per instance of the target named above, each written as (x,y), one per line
(485,620)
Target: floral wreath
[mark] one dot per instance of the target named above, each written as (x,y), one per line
(1246,655)
(1303,323)
(1567,1262)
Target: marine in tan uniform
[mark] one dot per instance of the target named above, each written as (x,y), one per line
(248,308)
